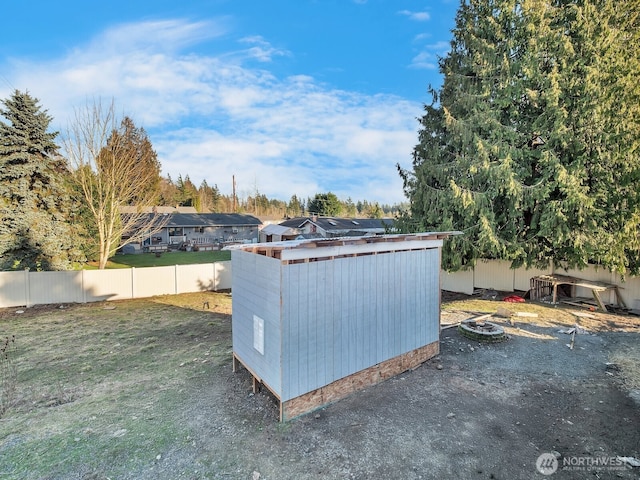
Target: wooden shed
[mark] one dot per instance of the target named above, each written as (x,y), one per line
(315,320)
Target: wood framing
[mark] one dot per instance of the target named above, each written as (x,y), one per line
(547,285)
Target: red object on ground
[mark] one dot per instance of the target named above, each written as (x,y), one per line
(513,299)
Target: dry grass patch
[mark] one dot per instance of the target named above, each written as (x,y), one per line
(628,361)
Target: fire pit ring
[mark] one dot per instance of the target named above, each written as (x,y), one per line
(482,331)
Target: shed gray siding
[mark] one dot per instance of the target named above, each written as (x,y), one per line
(256,291)
(338,314)
(344,315)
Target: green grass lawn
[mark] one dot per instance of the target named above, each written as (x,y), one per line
(99,386)
(167,258)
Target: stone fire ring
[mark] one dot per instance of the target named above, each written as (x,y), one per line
(482,331)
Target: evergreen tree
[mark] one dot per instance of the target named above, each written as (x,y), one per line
(349,208)
(138,148)
(168,192)
(35,205)
(209,197)
(187,192)
(326,204)
(530,148)
(295,207)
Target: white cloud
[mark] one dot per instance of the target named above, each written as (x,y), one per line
(261,50)
(427,59)
(417,16)
(167,35)
(212,116)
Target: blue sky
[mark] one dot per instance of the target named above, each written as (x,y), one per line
(292,97)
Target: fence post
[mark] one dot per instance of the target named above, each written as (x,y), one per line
(27,288)
(133,282)
(84,291)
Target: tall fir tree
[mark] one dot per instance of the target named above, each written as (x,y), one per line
(530,146)
(326,204)
(35,205)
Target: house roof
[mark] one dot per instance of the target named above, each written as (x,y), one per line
(160,209)
(273,229)
(212,219)
(341,224)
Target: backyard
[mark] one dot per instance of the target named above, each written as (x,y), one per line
(143,389)
(165,259)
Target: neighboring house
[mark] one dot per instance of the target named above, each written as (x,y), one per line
(278,233)
(176,209)
(187,230)
(332,227)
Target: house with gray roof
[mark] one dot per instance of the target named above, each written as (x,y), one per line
(333,227)
(203,231)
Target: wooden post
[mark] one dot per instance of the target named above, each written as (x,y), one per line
(596,295)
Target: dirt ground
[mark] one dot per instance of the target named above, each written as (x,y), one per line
(476,411)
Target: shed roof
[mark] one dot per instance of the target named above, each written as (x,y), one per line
(330,248)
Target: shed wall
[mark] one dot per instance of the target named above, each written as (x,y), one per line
(347,314)
(256,291)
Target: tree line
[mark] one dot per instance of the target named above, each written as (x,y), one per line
(207,198)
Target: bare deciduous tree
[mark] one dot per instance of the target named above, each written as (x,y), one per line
(113,166)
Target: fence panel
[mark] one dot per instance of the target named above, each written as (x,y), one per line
(14,289)
(494,274)
(522,277)
(150,281)
(101,285)
(222,276)
(460,282)
(195,278)
(55,287)
(629,290)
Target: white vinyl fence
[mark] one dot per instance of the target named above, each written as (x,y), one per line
(496,274)
(36,288)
